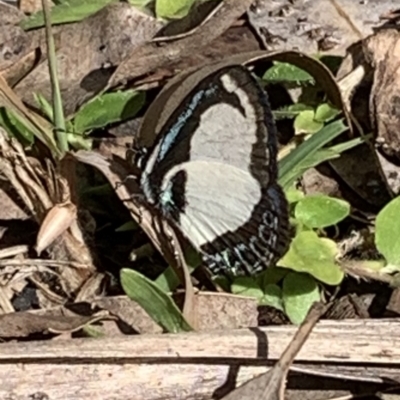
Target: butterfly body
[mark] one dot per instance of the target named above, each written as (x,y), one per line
(212,173)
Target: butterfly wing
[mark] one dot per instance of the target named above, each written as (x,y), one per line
(240,229)
(221,139)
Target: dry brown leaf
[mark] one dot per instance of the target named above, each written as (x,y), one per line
(10,15)
(23,324)
(40,189)
(126,188)
(369,82)
(214,311)
(100,43)
(175,91)
(10,206)
(14,44)
(150,56)
(56,222)
(315,26)
(382,51)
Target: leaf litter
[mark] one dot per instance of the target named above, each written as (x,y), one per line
(129,49)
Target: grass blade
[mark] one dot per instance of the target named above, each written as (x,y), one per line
(296,158)
(59,121)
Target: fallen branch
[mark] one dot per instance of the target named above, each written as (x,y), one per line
(188,366)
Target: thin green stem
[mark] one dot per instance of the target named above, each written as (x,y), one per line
(59,120)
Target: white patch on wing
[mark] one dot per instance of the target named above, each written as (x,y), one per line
(226,134)
(220,198)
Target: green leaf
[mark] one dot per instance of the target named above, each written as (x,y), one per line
(314,255)
(296,158)
(325,112)
(167,280)
(44,105)
(291,111)
(69,11)
(246,286)
(293,195)
(342,147)
(320,211)
(287,73)
(387,232)
(320,156)
(128,226)
(141,4)
(270,276)
(14,126)
(299,293)
(308,162)
(108,108)
(158,304)
(173,9)
(272,297)
(79,142)
(305,123)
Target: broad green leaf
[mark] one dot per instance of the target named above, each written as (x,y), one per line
(69,11)
(293,195)
(320,211)
(299,293)
(158,304)
(272,297)
(14,126)
(141,4)
(108,108)
(314,255)
(167,280)
(246,286)
(287,73)
(173,9)
(296,157)
(325,112)
(387,232)
(270,276)
(305,123)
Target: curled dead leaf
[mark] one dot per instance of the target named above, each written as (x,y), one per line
(382,50)
(56,222)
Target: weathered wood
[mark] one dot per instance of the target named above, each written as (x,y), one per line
(184,366)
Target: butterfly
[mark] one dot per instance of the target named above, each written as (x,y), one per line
(211,172)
